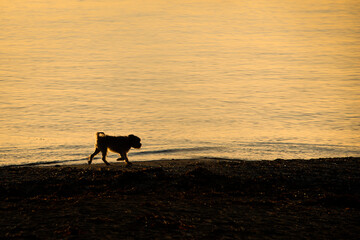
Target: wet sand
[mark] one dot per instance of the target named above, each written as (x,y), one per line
(183,199)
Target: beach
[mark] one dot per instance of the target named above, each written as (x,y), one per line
(205,198)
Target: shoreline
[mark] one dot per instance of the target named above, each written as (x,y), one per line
(98,161)
(188,199)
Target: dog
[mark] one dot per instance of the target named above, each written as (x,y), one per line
(117,144)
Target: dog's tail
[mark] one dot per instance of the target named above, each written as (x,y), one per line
(100,134)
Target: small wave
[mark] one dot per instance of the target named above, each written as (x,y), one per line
(295,144)
(44,163)
(62,146)
(175,150)
(7,149)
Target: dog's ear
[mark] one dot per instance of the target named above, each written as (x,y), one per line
(132,137)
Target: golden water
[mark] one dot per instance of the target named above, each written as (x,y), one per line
(241,79)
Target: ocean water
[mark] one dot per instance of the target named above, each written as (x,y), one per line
(249,79)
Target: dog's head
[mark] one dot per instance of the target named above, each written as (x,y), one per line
(134,141)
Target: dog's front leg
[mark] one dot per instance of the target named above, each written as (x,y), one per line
(124,156)
(120,158)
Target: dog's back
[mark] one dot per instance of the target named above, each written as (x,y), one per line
(114,143)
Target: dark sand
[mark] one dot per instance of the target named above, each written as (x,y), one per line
(183,199)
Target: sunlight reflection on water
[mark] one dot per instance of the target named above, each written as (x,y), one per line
(220,77)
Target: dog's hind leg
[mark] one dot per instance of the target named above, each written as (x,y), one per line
(104,151)
(93,155)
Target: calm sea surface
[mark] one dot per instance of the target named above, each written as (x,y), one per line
(245,79)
